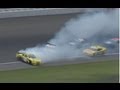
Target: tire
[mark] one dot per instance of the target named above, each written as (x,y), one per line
(94,54)
(29,62)
(103,52)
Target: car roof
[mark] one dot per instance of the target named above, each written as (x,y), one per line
(95,47)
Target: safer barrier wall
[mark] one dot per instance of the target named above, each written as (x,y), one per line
(21,12)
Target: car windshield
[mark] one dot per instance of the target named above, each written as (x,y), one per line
(32,56)
(95,48)
(25,55)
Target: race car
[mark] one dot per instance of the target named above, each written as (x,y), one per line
(77,41)
(74,42)
(28,58)
(112,43)
(49,45)
(95,50)
(116,40)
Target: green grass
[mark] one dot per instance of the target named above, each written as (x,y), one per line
(104,71)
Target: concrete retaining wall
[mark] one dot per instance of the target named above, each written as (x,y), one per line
(21,12)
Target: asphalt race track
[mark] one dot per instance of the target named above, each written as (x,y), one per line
(23,32)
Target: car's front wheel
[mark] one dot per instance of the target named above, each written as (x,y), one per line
(94,54)
(103,52)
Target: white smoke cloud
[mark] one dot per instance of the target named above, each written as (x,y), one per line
(87,25)
(83,26)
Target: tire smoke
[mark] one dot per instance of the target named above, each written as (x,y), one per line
(91,27)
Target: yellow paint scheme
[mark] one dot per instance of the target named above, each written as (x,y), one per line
(28,59)
(95,50)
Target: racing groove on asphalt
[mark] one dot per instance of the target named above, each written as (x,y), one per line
(23,32)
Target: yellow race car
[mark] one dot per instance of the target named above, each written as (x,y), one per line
(95,50)
(28,58)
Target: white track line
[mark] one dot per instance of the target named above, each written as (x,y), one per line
(9,63)
(73,57)
(112,54)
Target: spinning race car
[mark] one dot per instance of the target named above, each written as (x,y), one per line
(95,50)
(28,58)
(112,43)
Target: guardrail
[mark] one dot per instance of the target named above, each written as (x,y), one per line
(21,12)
